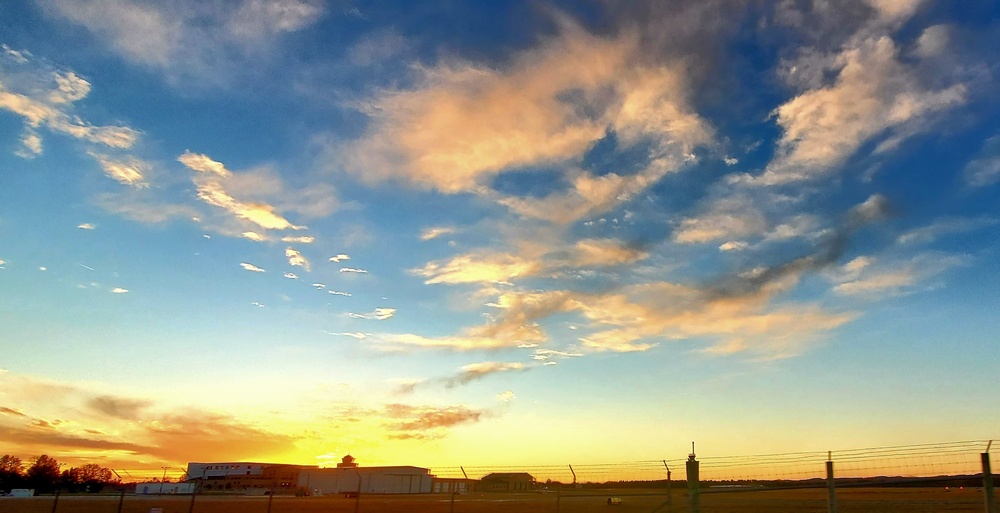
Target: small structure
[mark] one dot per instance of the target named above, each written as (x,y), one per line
(22,492)
(507,482)
(459,485)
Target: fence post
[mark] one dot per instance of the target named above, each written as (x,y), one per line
(194,493)
(558,496)
(694,486)
(55,502)
(831,488)
(990,500)
(452,499)
(121,501)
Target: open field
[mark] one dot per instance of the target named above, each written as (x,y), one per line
(855,500)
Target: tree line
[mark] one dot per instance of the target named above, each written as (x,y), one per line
(45,476)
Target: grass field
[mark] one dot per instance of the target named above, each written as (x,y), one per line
(852,500)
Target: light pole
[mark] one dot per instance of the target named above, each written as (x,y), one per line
(163,478)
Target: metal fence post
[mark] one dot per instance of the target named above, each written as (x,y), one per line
(558,497)
(831,488)
(55,502)
(989,500)
(121,501)
(694,486)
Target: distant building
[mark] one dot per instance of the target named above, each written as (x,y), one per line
(507,482)
(454,485)
(348,476)
(262,478)
(245,477)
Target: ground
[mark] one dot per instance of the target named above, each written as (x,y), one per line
(851,500)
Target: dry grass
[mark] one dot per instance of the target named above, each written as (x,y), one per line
(852,500)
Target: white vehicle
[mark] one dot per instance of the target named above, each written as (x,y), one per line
(22,492)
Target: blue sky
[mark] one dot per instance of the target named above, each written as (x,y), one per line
(284,230)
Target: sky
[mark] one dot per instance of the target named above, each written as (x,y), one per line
(508,233)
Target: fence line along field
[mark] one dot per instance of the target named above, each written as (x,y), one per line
(852,500)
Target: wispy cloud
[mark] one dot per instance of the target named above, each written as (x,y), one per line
(254,236)
(252,268)
(339,293)
(119,290)
(339,258)
(304,239)
(379,314)
(985,168)
(128,171)
(291,276)
(87,226)
(353,270)
(945,226)
(476,371)
(433,233)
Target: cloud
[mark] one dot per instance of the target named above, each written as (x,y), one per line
(433,233)
(296,259)
(733,245)
(339,258)
(87,226)
(985,168)
(252,268)
(506,396)
(119,407)
(133,428)
(203,164)
(864,276)
(476,371)
(256,196)
(875,96)
(483,267)
(430,418)
(339,293)
(254,236)
(353,270)
(379,314)
(129,171)
(119,290)
(191,42)
(305,239)
(138,205)
(291,276)
(945,226)
(445,132)
(43,97)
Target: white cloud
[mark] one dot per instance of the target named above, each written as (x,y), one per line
(87,226)
(865,277)
(945,226)
(254,236)
(985,168)
(506,396)
(379,314)
(295,258)
(203,164)
(304,239)
(875,95)
(353,270)
(291,276)
(339,293)
(733,245)
(731,161)
(128,171)
(119,290)
(252,268)
(433,233)
(339,258)
(319,286)
(192,42)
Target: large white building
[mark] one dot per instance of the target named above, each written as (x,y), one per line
(349,477)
